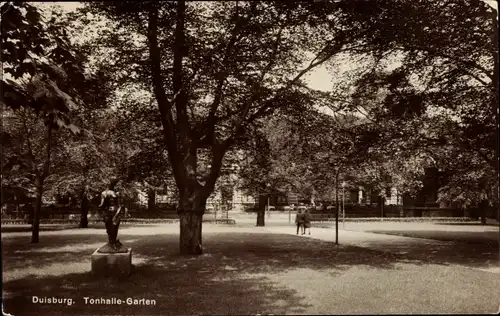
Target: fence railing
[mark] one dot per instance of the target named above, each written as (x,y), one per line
(8,221)
(330,218)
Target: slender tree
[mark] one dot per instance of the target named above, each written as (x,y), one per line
(41,70)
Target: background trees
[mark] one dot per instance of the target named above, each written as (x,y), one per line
(438,100)
(422,99)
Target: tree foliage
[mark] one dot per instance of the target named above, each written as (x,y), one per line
(42,65)
(430,92)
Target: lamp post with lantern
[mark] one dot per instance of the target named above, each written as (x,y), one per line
(343,204)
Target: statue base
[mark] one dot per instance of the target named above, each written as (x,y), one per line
(112,263)
(113,248)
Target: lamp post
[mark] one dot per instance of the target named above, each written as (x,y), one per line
(343,204)
(268,208)
(268,187)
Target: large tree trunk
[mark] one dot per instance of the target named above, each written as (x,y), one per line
(482,211)
(190,235)
(190,210)
(497,215)
(382,203)
(151,200)
(35,226)
(261,211)
(84,210)
(494,100)
(483,216)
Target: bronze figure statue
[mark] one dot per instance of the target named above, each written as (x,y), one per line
(112,208)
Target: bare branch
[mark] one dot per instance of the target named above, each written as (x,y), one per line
(328,51)
(466,64)
(272,58)
(222,76)
(164,105)
(180,98)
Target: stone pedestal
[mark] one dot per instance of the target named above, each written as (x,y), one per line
(112,264)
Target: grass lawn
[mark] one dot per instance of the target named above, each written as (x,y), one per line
(489,238)
(243,271)
(469,233)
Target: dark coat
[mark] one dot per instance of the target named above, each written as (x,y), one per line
(307,220)
(299,218)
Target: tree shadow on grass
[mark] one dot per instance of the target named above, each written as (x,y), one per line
(476,224)
(27,228)
(487,238)
(231,277)
(23,228)
(472,251)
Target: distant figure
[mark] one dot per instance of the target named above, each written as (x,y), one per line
(307,221)
(299,220)
(111,203)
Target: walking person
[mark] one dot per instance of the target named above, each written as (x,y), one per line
(299,221)
(307,221)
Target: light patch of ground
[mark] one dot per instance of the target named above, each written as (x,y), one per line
(66,248)
(54,269)
(409,289)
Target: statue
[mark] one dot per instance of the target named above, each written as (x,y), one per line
(112,209)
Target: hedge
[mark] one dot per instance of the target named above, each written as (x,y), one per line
(227,221)
(398,219)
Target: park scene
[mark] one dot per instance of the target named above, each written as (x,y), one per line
(250,158)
